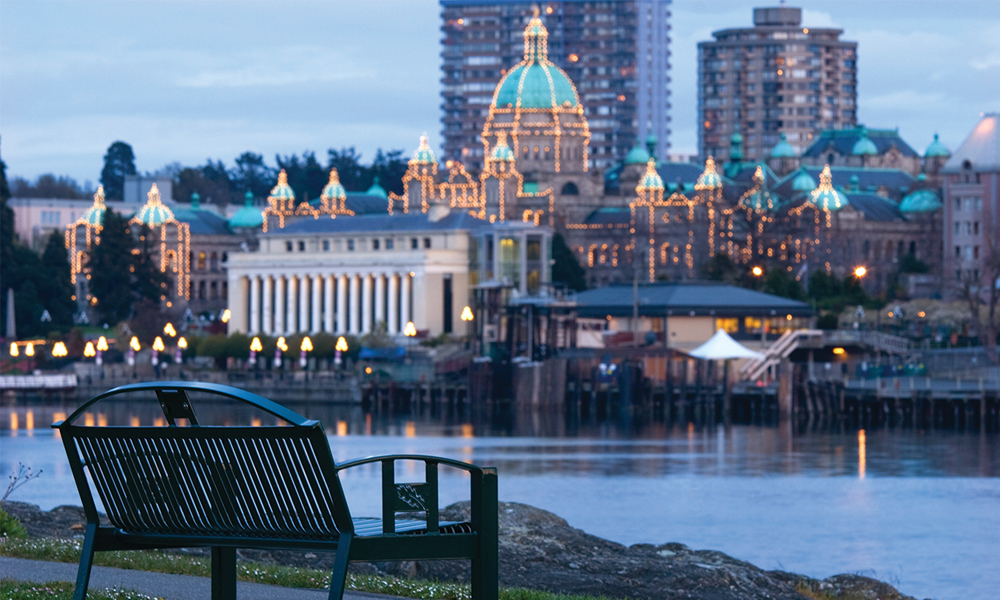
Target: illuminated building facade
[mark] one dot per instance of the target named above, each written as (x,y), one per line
(617,53)
(778,77)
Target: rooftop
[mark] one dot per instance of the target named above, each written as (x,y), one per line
(686,299)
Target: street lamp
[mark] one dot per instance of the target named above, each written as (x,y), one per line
(157,348)
(307,346)
(169,330)
(467,314)
(182,345)
(102,346)
(860,272)
(757,271)
(341,347)
(133,347)
(255,347)
(410,330)
(225,315)
(29,350)
(281,346)
(14,351)
(88,350)
(59,350)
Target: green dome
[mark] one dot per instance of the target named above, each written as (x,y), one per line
(855,183)
(783,149)
(535,82)
(824,196)
(153,212)
(637,155)
(864,146)
(651,180)
(502,152)
(936,149)
(248,216)
(377,190)
(759,199)
(282,191)
(709,178)
(95,214)
(423,154)
(333,190)
(923,200)
(803,182)
(195,201)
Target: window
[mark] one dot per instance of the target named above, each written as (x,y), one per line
(728,325)
(302,246)
(350,245)
(958,252)
(375,244)
(288,246)
(414,243)
(201,262)
(388,243)
(326,245)
(975,228)
(427,242)
(570,189)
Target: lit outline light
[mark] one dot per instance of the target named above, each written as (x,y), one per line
(160,219)
(92,222)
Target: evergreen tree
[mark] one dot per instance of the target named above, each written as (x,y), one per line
(347,161)
(565,269)
(252,174)
(111,270)
(148,282)
(56,287)
(7,242)
(118,162)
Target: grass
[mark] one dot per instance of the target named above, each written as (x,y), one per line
(61,550)
(59,590)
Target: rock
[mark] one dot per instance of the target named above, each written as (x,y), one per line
(539,550)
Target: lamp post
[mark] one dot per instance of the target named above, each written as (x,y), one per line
(468,317)
(89,351)
(281,346)
(255,347)
(168,329)
(225,315)
(133,347)
(410,331)
(306,346)
(102,346)
(341,347)
(59,350)
(14,350)
(157,348)
(182,345)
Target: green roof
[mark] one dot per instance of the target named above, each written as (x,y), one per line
(637,155)
(423,154)
(783,149)
(803,182)
(153,213)
(535,82)
(923,200)
(377,190)
(936,149)
(864,146)
(651,180)
(248,216)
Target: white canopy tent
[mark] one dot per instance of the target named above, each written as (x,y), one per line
(723,347)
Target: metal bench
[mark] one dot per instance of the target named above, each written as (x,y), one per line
(260,487)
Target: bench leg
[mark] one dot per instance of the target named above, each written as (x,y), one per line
(223,573)
(86,562)
(485,574)
(339,576)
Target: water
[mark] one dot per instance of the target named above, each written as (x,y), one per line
(918,509)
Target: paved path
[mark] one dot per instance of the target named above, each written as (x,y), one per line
(160,585)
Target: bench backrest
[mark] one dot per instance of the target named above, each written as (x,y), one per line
(258,482)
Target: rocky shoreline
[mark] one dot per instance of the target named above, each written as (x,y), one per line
(540,550)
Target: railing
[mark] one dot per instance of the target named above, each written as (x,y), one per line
(37,382)
(873,339)
(781,349)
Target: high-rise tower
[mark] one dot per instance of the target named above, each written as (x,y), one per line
(777,77)
(616,52)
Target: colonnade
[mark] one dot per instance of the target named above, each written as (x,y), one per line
(335,303)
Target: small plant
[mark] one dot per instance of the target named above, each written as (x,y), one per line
(24,475)
(10,527)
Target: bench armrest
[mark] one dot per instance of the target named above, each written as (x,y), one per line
(423,497)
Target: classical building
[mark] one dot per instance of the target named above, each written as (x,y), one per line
(972,209)
(617,52)
(778,77)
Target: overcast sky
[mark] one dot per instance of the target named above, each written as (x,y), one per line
(186,81)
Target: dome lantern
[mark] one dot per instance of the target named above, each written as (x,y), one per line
(651,180)
(936,149)
(824,196)
(783,149)
(637,155)
(709,179)
(864,146)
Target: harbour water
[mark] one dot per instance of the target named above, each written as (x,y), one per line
(918,509)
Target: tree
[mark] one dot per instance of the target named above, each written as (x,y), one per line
(7,243)
(389,167)
(721,268)
(780,283)
(347,161)
(118,162)
(981,291)
(148,281)
(306,176)
(55,285)
(565,268)
(252,174)
(49,186)
(111,266)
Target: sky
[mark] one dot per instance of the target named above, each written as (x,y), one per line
(187,81)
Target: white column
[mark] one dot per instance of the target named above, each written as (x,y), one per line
(342,304)
(268,308)
(279,305)
(303,303)
(317,303)
(404,301)
(393,322)
(355,326)
(366,303)
(291,297)
(254,304)
(379,297)
(328,303)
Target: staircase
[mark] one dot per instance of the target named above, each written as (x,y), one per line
(755,368)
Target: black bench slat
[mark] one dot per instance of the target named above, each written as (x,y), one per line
(266,487)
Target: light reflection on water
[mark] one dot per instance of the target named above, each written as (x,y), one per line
(918,509)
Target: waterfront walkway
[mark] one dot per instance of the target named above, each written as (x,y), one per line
(159,585)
